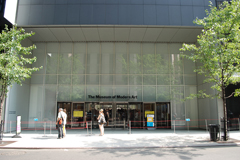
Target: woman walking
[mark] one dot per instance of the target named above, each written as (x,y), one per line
(101,121)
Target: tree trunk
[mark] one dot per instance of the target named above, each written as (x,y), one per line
(224,116)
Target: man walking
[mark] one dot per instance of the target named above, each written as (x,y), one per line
(59,123)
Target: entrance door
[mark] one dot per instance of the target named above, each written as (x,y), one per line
(108,111)
(67,106)
(148,108)
(163,115)
(121,116)
(135,114)
(78,115)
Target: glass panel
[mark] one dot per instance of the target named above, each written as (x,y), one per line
(106,91)
(93,79)
(78,63)
(106,80)
(122,65)
(77,115)
(178,107)
(190,79)
(149,79)
(147,107)
(163,93)
(65,63)
(163,79)
(121,48)
(122,91)
(50,79)
(135,63)
(50,103)
(137,92)
(39,53)
(163,115)
(78,79)
(52,63)
(176,64)
(37,79)
(162,58)
(148,48)
(149,93)
(121,115)
(93,48)
(64,93)
(107,48)
(135,80)
(121,79)
(93,91)
(64,79)
(135,114)
(93,64)
(66,47)
(134,48)
(78,93)
(107,63)
(149,64)
(189,65)
(79,48)
(177,79)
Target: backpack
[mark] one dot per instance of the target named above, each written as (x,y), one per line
(61,121)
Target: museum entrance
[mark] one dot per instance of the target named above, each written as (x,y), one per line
(117,114)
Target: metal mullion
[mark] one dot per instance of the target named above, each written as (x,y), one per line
(85,71)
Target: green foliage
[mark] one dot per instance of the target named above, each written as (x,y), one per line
(218,46)
(13,61)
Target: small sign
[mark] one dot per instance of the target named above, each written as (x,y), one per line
(187,119)
(150,120)
(77,113)
(148,112)
(35,119)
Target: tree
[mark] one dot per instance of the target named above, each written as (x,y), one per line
(218,51)
(13,60)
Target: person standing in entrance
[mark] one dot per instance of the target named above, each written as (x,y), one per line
(101,121)
(59,123)
(65,121)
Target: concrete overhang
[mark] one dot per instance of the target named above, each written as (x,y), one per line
(116,33)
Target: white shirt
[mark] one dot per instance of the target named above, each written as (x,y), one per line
(64,118)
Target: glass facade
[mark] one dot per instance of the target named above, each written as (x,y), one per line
(109,72)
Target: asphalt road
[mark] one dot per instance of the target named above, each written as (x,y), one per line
(198,153)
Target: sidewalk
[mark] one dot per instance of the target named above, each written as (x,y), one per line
(79,139)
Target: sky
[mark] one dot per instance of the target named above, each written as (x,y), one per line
(10,10)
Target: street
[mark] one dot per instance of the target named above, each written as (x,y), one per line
(197,153)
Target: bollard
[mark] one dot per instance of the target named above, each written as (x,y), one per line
(206,125)
(129,127)
(124,124)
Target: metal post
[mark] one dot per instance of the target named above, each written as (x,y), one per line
(238,124)
(91,127)
(174,125)
(87,127)
(124,124)
(44,129)
(50,124)
(188,125)
(129,127)
(206,125)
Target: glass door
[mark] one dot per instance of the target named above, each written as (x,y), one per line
(67,106)
(108,111)
(135,114)
(163,115)
(148,108)
(77,115)
(121,119)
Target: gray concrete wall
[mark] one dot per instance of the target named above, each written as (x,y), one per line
(111,12)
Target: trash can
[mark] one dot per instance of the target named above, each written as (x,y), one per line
(214,132)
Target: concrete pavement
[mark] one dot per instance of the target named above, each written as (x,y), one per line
(81,139)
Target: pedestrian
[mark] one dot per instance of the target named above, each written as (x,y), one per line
(59,123)
(107,118)
(65,122)
(101,121)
